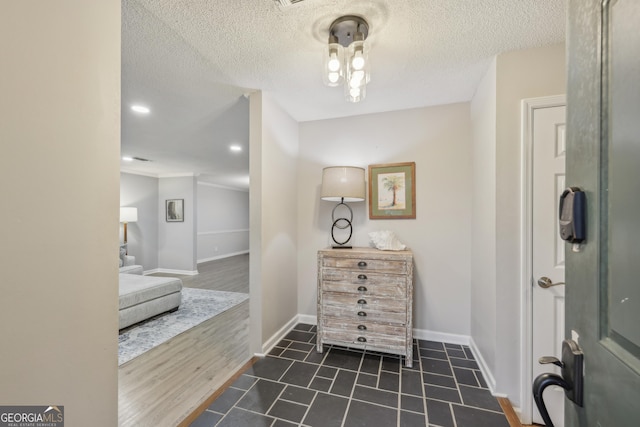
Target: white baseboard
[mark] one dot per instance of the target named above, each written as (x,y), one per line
(484,368)
(425,334)
(282,332)
(215,258)
(170,271)
(307,319)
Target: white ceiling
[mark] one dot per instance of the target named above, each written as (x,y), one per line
(191,62)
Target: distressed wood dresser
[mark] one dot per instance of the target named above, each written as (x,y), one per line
(365,300)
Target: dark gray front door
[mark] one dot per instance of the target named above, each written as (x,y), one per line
(603,158)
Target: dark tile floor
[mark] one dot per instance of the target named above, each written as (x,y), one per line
(296,386)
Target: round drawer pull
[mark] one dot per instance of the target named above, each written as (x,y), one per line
(362,276)
(362,264)
(362,301)
(362,327)
(362,288)
(362,339)
(362,314)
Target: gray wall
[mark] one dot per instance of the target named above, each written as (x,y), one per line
(142,236)
(177,240)
(438,140)
(60,137)
(223,222)
(496,287)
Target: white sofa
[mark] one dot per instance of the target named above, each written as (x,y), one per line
(142,297)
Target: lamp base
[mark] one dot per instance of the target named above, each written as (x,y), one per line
(341,247)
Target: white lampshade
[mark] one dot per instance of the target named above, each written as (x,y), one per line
(128,214)
(343,182)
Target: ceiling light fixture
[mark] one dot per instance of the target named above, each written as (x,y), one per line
(235,148)
(127,159)
(140,109)
(346,58)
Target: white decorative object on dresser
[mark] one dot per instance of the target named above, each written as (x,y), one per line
(365,300)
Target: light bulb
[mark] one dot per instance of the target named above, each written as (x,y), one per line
(357,75)
(354,92)
(357,62)
(333,77)
(334,62)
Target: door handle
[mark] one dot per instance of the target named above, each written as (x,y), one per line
(545,282)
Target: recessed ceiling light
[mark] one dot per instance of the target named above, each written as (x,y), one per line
(140,109)
(127,159)
(235,148)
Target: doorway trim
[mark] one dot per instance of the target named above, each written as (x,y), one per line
(527,108)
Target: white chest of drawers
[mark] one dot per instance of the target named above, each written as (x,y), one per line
(365,300)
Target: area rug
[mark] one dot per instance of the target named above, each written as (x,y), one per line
(197,306)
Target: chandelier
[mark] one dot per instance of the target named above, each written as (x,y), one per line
(346,58)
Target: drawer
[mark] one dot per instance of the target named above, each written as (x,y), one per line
(364,327)
(334,280)
(364,264)
(350,310)
(379,341)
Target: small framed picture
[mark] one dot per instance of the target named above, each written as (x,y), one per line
(392,191)
(175,210)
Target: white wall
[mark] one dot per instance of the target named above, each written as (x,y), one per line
(518,75)
(273,187)
(177,240)
(483,237)
(438,139)
(60,113)
(223,222)
(142,236)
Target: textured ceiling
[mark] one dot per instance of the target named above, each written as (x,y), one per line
(192,60)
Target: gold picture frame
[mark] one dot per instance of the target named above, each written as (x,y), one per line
(392,191)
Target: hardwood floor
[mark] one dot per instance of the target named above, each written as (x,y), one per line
(165,385)
(227,274)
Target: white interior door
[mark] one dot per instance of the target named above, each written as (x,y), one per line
(548,256)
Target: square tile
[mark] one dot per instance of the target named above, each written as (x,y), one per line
(326,411)
(410,419)
(435,366)
(363,414)
(226,400)
(479,398)
(344,359)
(294,354)
(283,423)
(261,396)
(306,327)
(367,380)
(239,417)
(389,381)
(465,376)
(411,383)
(206,419)
(472,417)
(271,368)
(320,384)
(439,413)
(468,352)
(327,372)
(456,353)
(464,363)
(300,336)
(296,345)
(371,363)
(315,357)
(481,379)
(276,351)
(449,346)
(373,395)
(441,380)
(442,393)
(431,344)
(288,411)
(244,382)
(298,394)
(412,403)
(391,363)
(300,373)
(343,384)
(434,354)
